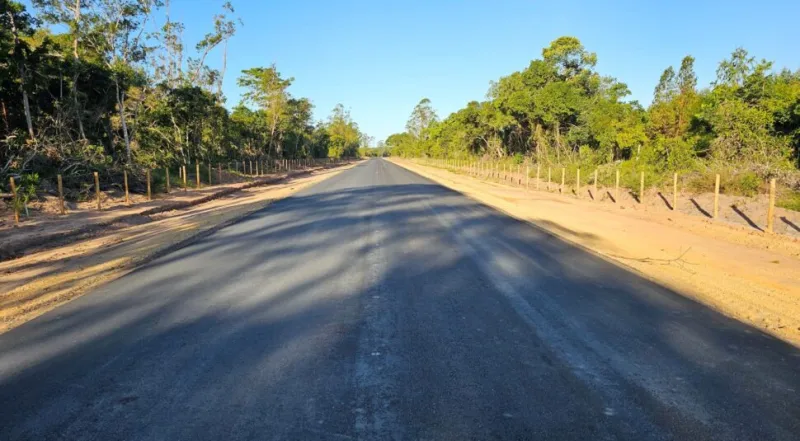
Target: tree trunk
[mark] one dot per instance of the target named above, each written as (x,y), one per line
(77,16)
(78,111)
(22,76)
(120,103)
(558,142)
(224,67)
(26,105)
(5,115)
(76,74)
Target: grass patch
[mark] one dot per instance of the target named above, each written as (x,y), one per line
(789,200)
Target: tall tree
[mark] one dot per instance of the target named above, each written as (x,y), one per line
(71,14)
(268,90)
(119,26)
(17,22)
(421,118)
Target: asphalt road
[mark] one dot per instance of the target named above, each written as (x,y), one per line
(378,305)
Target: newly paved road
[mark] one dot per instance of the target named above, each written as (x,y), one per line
(379,306)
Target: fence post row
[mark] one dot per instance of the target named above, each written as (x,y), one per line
(492,169)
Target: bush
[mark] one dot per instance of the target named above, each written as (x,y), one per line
(747,184)
(26,190)
(789,200)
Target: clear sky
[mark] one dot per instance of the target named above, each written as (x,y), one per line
(379,58)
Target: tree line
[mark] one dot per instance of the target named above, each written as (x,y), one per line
(118,88)
(560,110)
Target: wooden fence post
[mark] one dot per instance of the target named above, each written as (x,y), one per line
(97,190)
(616,189)
(219,174)
(166,174)
(149,193)
(674,191)
(16,202)
(771,209)
(61,195)
(527,175)
(125,179)
(197,174)
(716,197)
(209,174)
(641,188)
(563,179)
(185,185)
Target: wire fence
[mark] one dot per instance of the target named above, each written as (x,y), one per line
(588,183)
(91,186)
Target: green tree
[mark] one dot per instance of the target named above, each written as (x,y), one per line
(266,89)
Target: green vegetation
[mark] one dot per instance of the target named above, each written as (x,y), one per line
(113,93)
(559,111)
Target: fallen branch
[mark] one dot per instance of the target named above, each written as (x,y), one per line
(679,261)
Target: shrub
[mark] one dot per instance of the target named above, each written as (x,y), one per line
(789,200)
(747,184)
(26,190)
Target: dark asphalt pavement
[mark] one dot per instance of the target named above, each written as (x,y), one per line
(379,305)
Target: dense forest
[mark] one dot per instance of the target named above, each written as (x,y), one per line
(118,88)
(560,110)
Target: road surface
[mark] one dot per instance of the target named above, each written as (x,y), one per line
(379,305)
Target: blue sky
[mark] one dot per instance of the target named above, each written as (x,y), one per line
(379,58)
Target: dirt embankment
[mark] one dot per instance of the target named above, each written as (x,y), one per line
(42,280)
(746,274)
